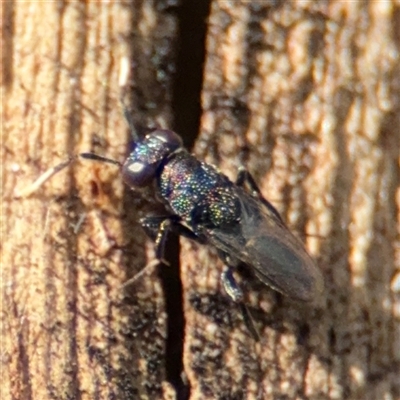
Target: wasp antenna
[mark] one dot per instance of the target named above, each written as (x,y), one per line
(129,118)
(96,157)
(33,187)
(39,182)
(123,84)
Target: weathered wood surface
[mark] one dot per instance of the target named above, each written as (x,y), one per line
(305,94)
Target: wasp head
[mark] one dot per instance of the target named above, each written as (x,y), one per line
(142,165)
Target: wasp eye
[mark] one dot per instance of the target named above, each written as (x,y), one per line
(170,138)
(137,173)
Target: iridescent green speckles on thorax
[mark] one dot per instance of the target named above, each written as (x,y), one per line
(198,192)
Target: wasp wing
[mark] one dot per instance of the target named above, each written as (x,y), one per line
(261,240)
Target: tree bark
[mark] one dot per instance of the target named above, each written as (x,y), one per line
(70,329)
(312,90)
(305,95)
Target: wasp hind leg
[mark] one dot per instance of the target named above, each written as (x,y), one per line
(234,291)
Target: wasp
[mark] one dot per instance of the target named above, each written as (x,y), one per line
(203,205)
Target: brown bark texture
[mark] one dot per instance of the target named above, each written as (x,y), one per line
(305,94)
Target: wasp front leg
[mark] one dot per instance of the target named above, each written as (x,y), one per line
(158,228)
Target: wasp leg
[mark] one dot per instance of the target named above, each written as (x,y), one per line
(244,177)
(158,228)
(236,294)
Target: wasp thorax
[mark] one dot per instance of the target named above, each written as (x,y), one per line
(140,168)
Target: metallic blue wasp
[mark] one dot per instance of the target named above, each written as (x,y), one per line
(202,204)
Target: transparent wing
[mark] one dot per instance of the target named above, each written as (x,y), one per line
(261,240)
